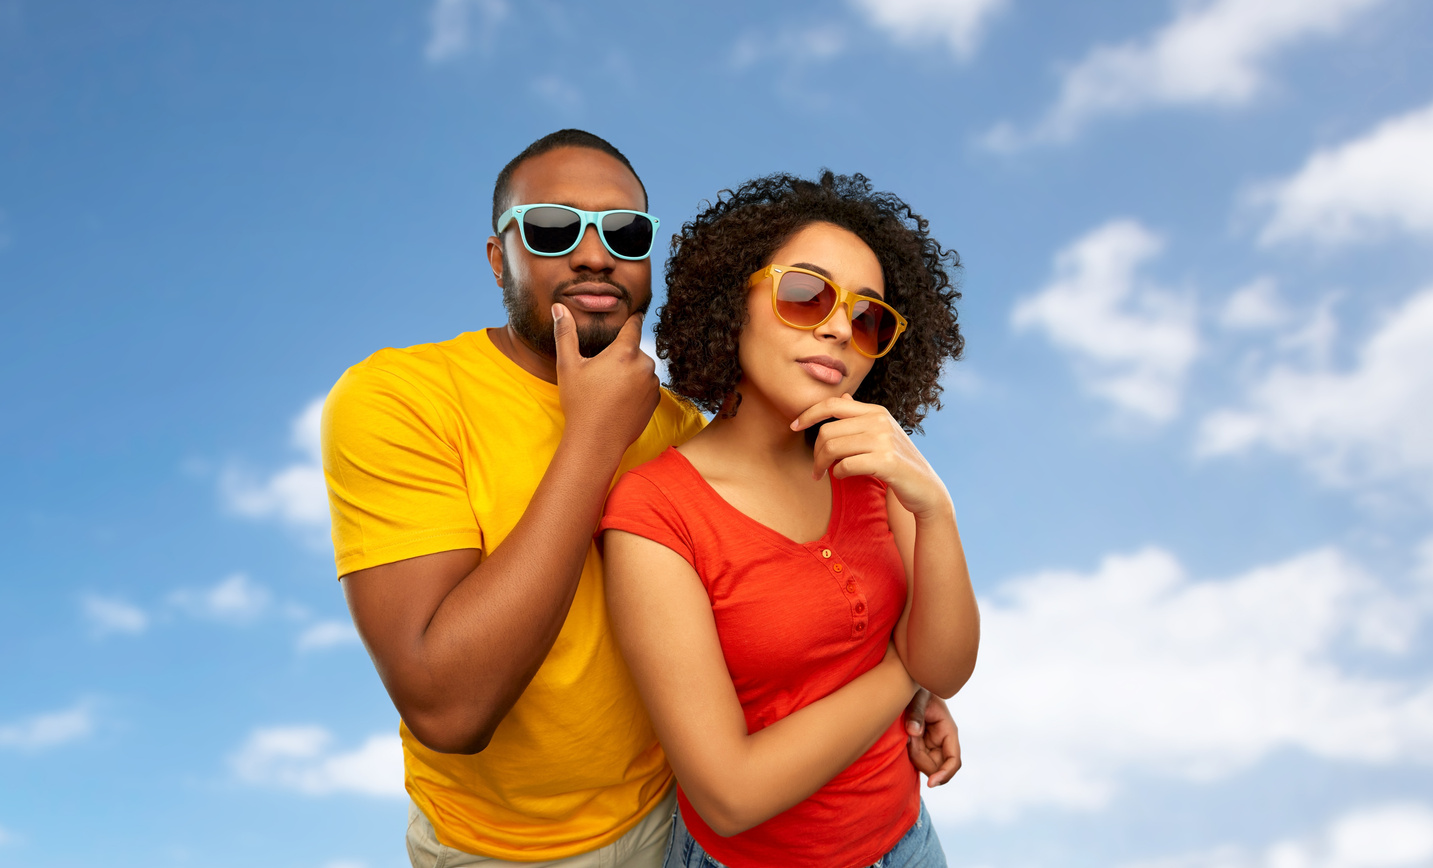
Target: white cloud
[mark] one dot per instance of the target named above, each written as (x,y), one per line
(557,92)
(1397,835)
(236,599)
(49,729)
(1254,306)
(112,615)
(958,23)
(1086,680)
(794,46)
(1372,186)
(1213,53)
(297,494)
(452,24)
(327,634)
(1132,341)
(1370,423)
(301,758)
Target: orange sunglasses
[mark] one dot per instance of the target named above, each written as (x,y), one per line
(804,299)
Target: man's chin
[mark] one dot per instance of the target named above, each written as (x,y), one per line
(597,336)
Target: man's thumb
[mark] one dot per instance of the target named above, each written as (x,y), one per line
(564,332)
(915,712)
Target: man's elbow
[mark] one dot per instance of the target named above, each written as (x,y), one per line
(446,736)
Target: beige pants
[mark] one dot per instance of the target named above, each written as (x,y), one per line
(643,847)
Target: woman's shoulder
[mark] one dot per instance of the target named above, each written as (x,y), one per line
(662,482)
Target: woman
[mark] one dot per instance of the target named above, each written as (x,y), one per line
(780,594)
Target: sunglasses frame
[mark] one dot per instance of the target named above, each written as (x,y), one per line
(593,218)
(843,297)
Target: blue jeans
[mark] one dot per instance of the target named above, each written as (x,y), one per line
(918,848)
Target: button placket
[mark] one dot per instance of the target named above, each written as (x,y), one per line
(852,589)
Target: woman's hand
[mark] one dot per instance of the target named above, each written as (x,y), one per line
(863,440)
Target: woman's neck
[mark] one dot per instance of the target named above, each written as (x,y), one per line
(758,437)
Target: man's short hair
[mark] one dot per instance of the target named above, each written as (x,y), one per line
(569,138)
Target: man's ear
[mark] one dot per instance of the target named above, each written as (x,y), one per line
(495,258)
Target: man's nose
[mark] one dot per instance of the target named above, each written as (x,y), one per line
(591,253)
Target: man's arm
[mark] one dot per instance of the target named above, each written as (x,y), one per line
(455,637)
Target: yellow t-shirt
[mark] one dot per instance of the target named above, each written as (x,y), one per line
(439,447)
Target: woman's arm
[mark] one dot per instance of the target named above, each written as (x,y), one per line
(663,623)
(939,634)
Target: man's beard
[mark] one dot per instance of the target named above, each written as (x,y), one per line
(525,318)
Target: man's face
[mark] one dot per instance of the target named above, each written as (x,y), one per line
(588,279)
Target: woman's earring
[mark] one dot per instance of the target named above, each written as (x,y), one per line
(728,407)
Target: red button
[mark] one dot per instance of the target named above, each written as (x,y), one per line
(850,587)
(860,625)
(860,607)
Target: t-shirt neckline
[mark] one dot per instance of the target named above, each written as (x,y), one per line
(526,378)
(766,530)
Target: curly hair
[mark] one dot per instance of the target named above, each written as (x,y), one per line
(700,325)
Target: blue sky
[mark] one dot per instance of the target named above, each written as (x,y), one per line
(1190,446)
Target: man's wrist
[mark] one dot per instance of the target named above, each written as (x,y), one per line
(594,451)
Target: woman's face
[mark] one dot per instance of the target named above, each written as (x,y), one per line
(795,368)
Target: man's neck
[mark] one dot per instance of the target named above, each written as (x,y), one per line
(511,344)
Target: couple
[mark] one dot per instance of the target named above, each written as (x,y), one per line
(772,589)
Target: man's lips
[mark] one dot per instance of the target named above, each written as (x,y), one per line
(824,368)
(593,297)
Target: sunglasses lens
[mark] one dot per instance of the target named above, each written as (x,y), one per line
(872,327)
(550,230)
(628,234)
(803,299)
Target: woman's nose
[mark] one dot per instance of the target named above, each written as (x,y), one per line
(838,326)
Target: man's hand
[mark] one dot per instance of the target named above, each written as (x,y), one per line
(934,741)
(609,398)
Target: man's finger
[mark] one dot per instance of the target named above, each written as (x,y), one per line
(925,762)
(946,771)
(564,334)
(950,748)
(630,335)
(915,712)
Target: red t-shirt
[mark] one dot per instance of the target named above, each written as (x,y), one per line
(796,622)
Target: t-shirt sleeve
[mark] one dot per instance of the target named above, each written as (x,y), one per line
(638,505)
(396,487)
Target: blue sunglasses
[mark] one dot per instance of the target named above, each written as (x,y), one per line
(556,230)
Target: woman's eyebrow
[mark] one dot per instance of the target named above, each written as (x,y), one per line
(826,274)
(816,268)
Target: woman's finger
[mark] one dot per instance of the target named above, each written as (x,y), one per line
(843,407)
(863,464)
(837,449)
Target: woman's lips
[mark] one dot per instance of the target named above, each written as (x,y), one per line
(824,368)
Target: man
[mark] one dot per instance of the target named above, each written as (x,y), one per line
(465,481)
